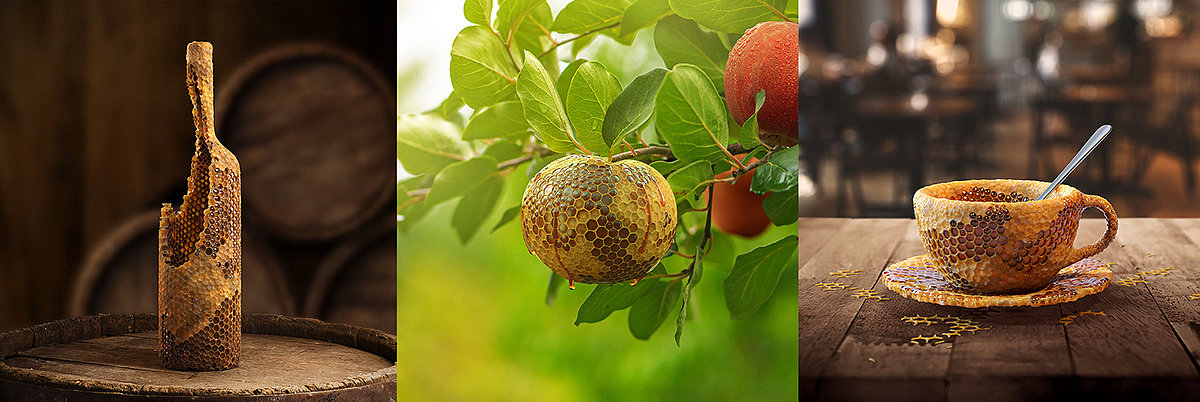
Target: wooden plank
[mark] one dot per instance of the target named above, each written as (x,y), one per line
(814,233)
(826,315)
(1132,331)
(878,347)
(267,361)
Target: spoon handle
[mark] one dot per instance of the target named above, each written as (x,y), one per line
(1083,153)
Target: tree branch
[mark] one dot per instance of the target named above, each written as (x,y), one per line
(573,38)
(526,158)
(664,151)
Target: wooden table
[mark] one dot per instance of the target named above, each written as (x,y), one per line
(1146,343)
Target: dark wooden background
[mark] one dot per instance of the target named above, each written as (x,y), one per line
(95,121)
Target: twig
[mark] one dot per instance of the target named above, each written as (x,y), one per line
(525,158)
(573,38)
(665,151)
(685,272)
(651,150)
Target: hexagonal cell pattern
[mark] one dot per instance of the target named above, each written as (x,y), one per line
(200,246)
(592,221)
(986,236)
(200,267)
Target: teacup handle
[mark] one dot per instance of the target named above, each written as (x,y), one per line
(1110,215)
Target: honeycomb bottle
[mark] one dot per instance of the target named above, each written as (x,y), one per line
(199,246)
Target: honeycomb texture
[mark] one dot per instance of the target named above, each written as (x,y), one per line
(986,237)
(592,221)
(918,278)
(200,246)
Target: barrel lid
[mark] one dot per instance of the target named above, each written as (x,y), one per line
(116,354)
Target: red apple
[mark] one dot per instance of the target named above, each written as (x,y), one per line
(767,58)
(737,210)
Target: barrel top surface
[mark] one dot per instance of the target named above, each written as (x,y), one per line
(268,361)
(126,360)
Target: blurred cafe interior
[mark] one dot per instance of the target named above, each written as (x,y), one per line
(898,94)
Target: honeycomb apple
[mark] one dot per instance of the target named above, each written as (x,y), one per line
(767,58)
(592,221)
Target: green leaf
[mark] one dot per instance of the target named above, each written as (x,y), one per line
(507,216)
(729,15)
(632,107)
(502,120)
(782,207)
(666,167)
(592,89)
(643,13)
(460,178)
(605,299)
(538,163)
(478,12)
(449,106)
(412,215)
(556,283)
(755,274)
(564,80)
(579,44)
(684,181)
(682,41)
(426,144)
(648,313)
(690,115)
(543,109)
(402,189)
(503,150)
(480,68)
(510,14)
(533,35)
(475,207)
(779,173)
(580,16)
(749,134)
(693,279)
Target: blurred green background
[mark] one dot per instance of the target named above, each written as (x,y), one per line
(473,325)
(472,319)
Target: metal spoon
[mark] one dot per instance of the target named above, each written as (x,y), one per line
(1083,153)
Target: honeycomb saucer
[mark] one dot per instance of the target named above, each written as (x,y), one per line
(917,279)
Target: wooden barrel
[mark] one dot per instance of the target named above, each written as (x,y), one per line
(356,283)
(120,275)
(114,357)
(312,127)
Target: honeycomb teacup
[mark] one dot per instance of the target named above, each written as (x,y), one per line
(989,237)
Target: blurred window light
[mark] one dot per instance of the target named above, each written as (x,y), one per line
(918,101)
(1164,27)
(876,55)
(805,12)
(1147,9)
(1043,10)
(1018,10)
(946,37)
(906,43)
(947,12)
(1098,14)
(1047,63)
(803,63)
(1021,66)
